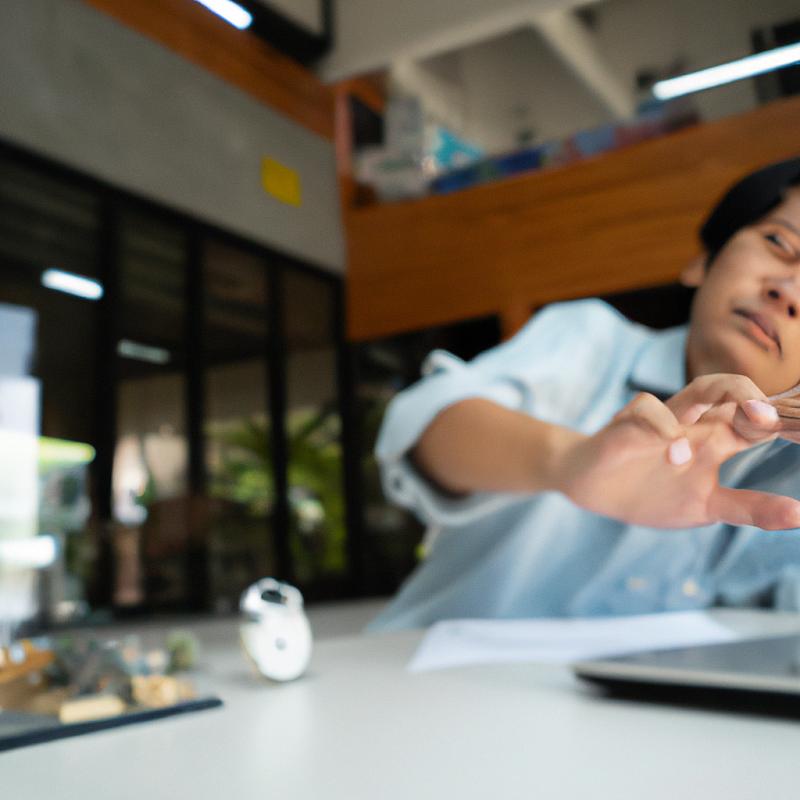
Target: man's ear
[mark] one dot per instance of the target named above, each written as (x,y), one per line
(694,273)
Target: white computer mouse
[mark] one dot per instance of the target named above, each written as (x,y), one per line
(275,632)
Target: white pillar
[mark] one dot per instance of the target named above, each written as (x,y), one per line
(574,44)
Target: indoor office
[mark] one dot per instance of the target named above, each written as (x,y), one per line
(399,398)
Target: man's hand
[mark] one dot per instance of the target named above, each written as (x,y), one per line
(758,417)
(755,419)
(647,467)
(788,409)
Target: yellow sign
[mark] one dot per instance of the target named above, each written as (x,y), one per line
(281,182)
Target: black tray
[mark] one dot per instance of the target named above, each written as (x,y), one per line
(21,730)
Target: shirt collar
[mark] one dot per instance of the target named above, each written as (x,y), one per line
(660,366)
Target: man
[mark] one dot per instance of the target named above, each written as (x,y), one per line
(555,465)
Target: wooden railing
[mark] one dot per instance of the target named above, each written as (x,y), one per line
(617,222)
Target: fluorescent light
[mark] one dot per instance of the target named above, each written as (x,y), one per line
(142,352)
(229,11)
(745,67)
(72,284)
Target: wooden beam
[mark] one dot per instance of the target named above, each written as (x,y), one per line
(369,89)
(238,57)
(575,45)
(617,222)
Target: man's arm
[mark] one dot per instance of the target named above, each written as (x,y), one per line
(478,445)
(644,467)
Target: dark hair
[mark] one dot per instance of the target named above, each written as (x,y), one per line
(746,202)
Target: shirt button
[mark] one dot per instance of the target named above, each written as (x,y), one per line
(636,584)
(690,587)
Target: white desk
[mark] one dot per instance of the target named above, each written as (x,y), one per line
(358,726)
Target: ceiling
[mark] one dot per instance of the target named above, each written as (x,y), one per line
(487,68)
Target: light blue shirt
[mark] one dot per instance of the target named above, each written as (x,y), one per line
(511,556)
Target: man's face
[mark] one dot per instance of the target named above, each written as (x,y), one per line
(746,313)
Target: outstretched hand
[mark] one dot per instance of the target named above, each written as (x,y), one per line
(757,418)
(657,464)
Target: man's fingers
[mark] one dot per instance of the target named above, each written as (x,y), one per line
(689,414)
(788,409)
(756,424)
(770,512)
(760,412)
(679,452)
(648,410)
(710,390)
(749,428)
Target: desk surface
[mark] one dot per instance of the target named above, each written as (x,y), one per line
(359,726)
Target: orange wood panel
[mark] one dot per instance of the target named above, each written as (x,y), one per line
(620,221)
(343,142)
(369,89)
(238,57)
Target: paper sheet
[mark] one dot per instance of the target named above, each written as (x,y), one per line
(456,643)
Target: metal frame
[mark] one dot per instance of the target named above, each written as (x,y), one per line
(113,201)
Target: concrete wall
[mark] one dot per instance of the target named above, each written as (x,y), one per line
(81,88)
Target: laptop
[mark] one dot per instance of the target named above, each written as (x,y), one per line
(761,675)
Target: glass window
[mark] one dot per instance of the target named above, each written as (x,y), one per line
(237,430)
(47,373)
(149,461)
(153,536)
(313,429)
(392,537)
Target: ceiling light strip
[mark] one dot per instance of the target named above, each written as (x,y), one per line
(73,284)
(727,73)
(229,11)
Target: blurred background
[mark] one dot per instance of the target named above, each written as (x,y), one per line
(209,287)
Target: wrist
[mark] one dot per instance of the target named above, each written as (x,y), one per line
(563,455)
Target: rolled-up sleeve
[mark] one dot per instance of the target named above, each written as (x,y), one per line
(409,414)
